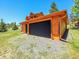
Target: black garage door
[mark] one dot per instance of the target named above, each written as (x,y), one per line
(42,29)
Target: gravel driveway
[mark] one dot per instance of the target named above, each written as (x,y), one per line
(34,47)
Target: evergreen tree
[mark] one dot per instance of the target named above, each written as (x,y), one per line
(11,25)
(53,8)
(2,26)
(75,9)
(14,26)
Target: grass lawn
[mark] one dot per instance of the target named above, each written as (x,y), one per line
(8,34)
(75,39)
(5,36)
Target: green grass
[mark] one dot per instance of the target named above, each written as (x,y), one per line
(5,36)
(5,47)
(75,39)
(9,34)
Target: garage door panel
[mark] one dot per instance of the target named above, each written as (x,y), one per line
(41,29)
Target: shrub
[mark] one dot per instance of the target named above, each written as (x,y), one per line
(2,26)
(14,26)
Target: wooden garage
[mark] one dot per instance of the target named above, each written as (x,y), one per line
(50,26)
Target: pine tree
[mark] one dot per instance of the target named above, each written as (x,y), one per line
(2,26)
(14,26)
(53,8)
(75,9)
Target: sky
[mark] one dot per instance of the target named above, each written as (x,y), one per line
(17,10)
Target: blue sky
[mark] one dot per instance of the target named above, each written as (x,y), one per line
(17,10)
